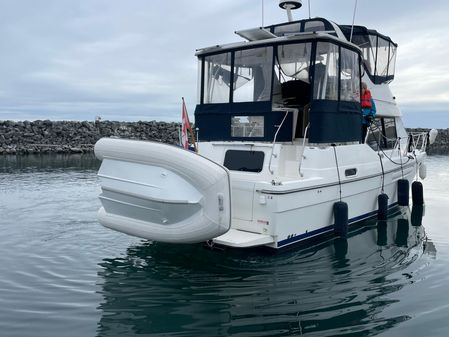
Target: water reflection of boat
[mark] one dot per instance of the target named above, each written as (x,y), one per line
(281,144)
(337,286)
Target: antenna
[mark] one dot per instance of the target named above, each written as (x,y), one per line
(310,15)
(353,20)
(263,13)
(289,5)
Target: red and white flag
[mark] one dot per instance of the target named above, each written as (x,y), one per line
(185,126)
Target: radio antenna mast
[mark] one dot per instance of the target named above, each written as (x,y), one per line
(353,20)
(263,13)
(310,15)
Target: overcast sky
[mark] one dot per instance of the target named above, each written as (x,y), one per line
(131,60)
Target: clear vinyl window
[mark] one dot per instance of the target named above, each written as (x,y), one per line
(217,78)
(326,72)
(252,74)
(247,126)
(349,76)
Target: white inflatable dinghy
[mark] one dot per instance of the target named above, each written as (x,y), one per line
(162,192)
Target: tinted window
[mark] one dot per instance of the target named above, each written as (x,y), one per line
(375,134)
(248,161)
(390,132)
(382,133)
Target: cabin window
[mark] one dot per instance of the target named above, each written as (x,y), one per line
(252,74)
(294,61)
(382,133)
(247,161)
(349,76)
(247,126)
(389,127)
(326,72)
(217,78)
(375,134)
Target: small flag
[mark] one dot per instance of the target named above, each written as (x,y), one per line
(185,126)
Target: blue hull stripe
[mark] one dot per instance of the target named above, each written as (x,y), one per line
(330,228)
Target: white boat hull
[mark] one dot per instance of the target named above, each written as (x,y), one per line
(161,192)
(164,193)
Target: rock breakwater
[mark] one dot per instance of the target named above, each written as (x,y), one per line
(77,137)
(45,136)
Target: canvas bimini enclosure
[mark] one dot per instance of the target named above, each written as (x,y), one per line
(290,88)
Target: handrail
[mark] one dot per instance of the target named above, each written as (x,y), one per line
(416,139)
(287,110)
(303,148)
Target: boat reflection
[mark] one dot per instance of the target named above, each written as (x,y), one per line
(338,286)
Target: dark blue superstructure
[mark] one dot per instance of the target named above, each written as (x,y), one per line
(297,84)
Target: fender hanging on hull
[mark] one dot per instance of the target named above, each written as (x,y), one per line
(162,192)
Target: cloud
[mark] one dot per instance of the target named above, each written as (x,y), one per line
(135,60)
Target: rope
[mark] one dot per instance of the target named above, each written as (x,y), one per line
(338,170)
(380,148)
(400,156)
(383,172)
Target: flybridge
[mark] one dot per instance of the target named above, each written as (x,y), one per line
(379,52)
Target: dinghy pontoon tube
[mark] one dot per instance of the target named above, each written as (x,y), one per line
(162,192)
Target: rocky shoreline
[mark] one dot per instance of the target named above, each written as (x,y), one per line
(17,138)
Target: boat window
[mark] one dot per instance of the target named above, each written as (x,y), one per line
(248,161)
(217,78)
(326,72)
(379,53)
(314,26)
(291,85)
(247,126)
(382,133)
(252,74)
(294,61)
(372,51)
(392,62)
(390,132)
(289,29)
(198,83)
(375,135)
(349,76)
(383,47)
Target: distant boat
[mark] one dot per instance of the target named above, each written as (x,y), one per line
(281,155)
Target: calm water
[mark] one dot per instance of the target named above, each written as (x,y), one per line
(62,274)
